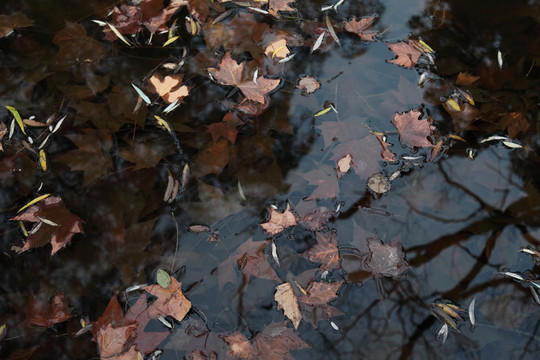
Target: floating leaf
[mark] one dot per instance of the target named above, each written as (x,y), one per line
(412,130)
(287,301)
(142,94)
(362,27)
(117,33)
(279,221)
(407,53)
(32,202)
(17,117)
(163,278)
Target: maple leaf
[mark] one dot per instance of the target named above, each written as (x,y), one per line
(148,151)
(364,157)
(159,22)
(412,130)
(280,5)
(213,158)
(309,84)
(8,23)
(362,27)
(170,301)
(113,313)
(320,293)
(279,221)
(113,342)
(74,43)
(41,313)
(287,301)
(276,341)
(227,128)
(324,252)
(231,73)
(170,87)
(407,53)
(54,224)
(277,49)
(386,259)
(239,346)
(92,156)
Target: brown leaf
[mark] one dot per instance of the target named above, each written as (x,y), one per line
(213,158)
(320,293)
(159,22)
(227,128)
(170,87)
(170,301)
(325,180)
(113,313)
(148,151)
(407,54)
(279,221)
(74,43)
(113,341)
(10,22)
(361,27)
(277,49)
(287,301)
(364,155)
(344,165)
(239,346)
(385,153)
(412,130)
(517,123)
(280,5)
(466,79)
(309,84)
(386,259)
(41,313)
(231,73)
(251,260)
(276,342)
(325,251)
(3,131)
(52,210)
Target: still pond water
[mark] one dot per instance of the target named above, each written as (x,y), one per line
(460,213)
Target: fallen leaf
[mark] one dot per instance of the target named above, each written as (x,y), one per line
(324,252)
(113,313)
(320,293)
(344,165)
(378,183)
(309,84)
(277,49)
(407,53)
(325,180)
(386,154)
(239,346)
(41,313)
(170,87)
(362,27)
(276,342)
(8,23)
(231,73)
(213,158)
(53,210)
(386,259)
(279,221)
(280,5)
(466,79)
(170,301)
(113,342)
(3,131)
(412,130)
(287,301)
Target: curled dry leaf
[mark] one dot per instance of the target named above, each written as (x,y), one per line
(309,84)
(287,301)
(170,87)
(279,221)
(412,130)
(362,27)
(407,53)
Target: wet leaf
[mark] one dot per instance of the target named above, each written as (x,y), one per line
(163,279)
(280,5)
(8,23)
(45,314)
(378,183)
(276,342)
(170,301)
(413,132)
(17,117)
(277,49)
(3,131)
(279,221)
(239,346)
(231,73)
(113,313)
(407,54)
(74,43)
(287,301)
(309,84)
(51,208)
(362,27)
(466,79)
(170,87)
(325,251)
(320,293)
(386,259)
(325,180)
(114,342)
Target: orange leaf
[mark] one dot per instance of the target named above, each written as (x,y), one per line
(170,301)
(41,313)
(407,54)
(169,88)
(361,27)
(279,221)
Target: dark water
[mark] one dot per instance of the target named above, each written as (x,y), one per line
(461,218)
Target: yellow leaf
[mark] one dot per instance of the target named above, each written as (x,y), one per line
(170,41)
(17,117)
(425,46)
(456,137)
(43,160)
(322,112)
(23,229)
(117,33)
(453,104)
(163,123)
(32,202)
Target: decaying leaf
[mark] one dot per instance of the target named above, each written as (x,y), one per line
(412,130)
(277,49)
(170,301)
(170,87)
(279,221)
(115,342)
(407,53)
(344,164)
(53,210)
(276,342)
(386,259)
(466,79)
(239,346)
(362,27)
(45,314)
(378,183)
(309,84)
(287,301)
(8,23)
(325,251)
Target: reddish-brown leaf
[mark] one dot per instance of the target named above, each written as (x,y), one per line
(280,5)
(52,210)
(170,301)
(231,73)
(10,22)
(74,43)
(466,79)
(240,346)
(227,128)
(213,158)
(407,53)
(113,313)
(413,132)
(276,342)
(320,293)
(114,342)
(309,84)
(362,27)
(159,22)
(325,251)
(386,259)
(386,154)
(41,313)
(279,221)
